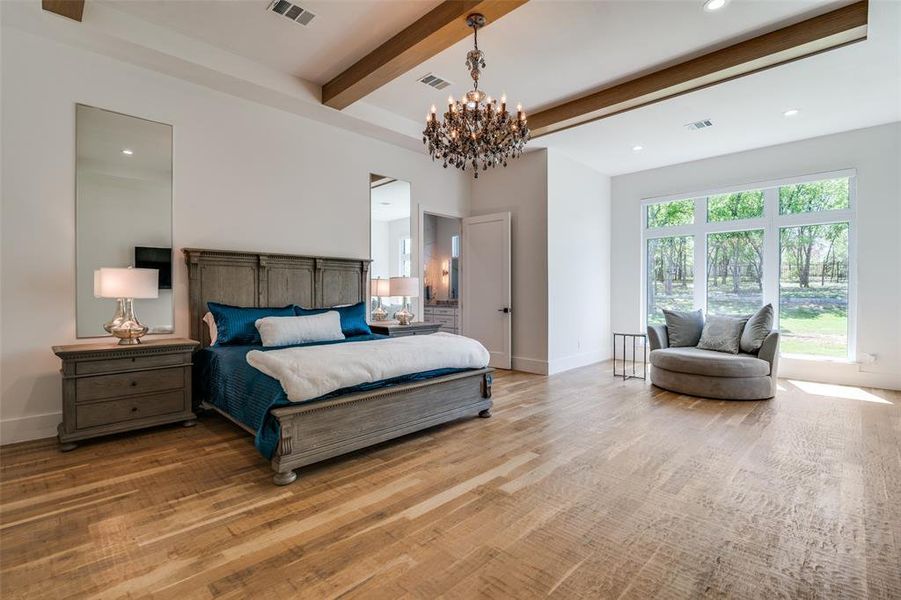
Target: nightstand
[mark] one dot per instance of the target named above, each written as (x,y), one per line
(393,329)
(108,388)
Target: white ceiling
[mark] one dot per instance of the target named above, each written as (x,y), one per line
(342,32)
(391,201)
(547,51)
(848,88)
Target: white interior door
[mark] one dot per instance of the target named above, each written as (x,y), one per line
(485,287)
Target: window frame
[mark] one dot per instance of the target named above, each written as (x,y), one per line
(771,222)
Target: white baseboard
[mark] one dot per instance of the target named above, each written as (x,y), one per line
(33,427)
(558,365)
(530,365)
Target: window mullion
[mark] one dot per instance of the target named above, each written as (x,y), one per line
(771,258)
(700,254)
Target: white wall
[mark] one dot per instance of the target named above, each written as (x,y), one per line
(521,189)
(876,155)
(246,176)
(578,264)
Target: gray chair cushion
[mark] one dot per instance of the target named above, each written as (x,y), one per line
(709,362)
(683,328)
(756,329)
(722,334)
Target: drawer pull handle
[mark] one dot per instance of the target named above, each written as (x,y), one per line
(134,409)
(134,383)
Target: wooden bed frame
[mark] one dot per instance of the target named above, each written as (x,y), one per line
(315,431)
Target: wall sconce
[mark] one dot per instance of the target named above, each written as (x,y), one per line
(444,271)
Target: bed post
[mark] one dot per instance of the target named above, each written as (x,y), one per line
(487,380)
(285,448)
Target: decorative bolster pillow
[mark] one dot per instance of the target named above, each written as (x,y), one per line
(285,331)
(353,317)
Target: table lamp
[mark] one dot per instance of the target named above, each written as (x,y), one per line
(124,285)
(380,287)
(408,287)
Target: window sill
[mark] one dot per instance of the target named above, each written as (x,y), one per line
(820,359)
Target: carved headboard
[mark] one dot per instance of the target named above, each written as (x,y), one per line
(267,279)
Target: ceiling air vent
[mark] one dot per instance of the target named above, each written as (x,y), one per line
(291,11)
(699,125)
(434,81)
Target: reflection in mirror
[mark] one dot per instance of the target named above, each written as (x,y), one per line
(391,247)
(123,212)
(441,279)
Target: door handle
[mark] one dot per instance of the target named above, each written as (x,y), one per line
(504,310)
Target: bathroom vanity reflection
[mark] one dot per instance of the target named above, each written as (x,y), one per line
(441,280)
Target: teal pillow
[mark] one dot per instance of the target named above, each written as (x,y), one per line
(236,325)
(353,317)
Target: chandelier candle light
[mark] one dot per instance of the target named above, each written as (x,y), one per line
(476,131)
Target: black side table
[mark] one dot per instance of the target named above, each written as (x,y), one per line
(633,338)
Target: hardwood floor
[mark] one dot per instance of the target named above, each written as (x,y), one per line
(579,486)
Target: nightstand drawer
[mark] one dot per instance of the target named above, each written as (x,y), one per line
(128,384)
(129,409)
(128,364)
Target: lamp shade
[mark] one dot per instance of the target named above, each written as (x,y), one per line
(129,283)
(381,287)
(97,283)
(405,286)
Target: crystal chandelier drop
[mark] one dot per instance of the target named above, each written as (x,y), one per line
(476,132)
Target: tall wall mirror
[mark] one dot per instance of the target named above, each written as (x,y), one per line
(391,245)
(441,270)
(123,213)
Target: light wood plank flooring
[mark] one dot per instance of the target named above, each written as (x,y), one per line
(579,486)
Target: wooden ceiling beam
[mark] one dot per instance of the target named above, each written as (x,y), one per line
(73,9)
(818,34)
(441,28)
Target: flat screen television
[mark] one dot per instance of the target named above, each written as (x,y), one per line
(156,258)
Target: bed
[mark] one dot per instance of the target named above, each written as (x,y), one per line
(292,435)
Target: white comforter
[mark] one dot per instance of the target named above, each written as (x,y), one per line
(312,371)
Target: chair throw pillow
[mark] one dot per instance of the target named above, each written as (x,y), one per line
(756,329)
(683,328)
(722,334)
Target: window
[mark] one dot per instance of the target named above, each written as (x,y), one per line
(670,275)
(814,196)
(665,214)
(787,243)
(813,289)
(405,257)
(735,206)
(734,272)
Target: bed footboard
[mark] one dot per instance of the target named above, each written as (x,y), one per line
(314,432)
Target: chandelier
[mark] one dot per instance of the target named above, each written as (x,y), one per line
(476,131)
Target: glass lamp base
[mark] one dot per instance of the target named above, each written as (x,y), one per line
(404,316)
(129,330)
(379,314)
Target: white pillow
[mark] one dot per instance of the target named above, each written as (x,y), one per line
(211,324)
(284,331)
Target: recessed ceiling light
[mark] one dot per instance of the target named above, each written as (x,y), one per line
(712,5)
(792,112)
(637,148)
(127,152)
